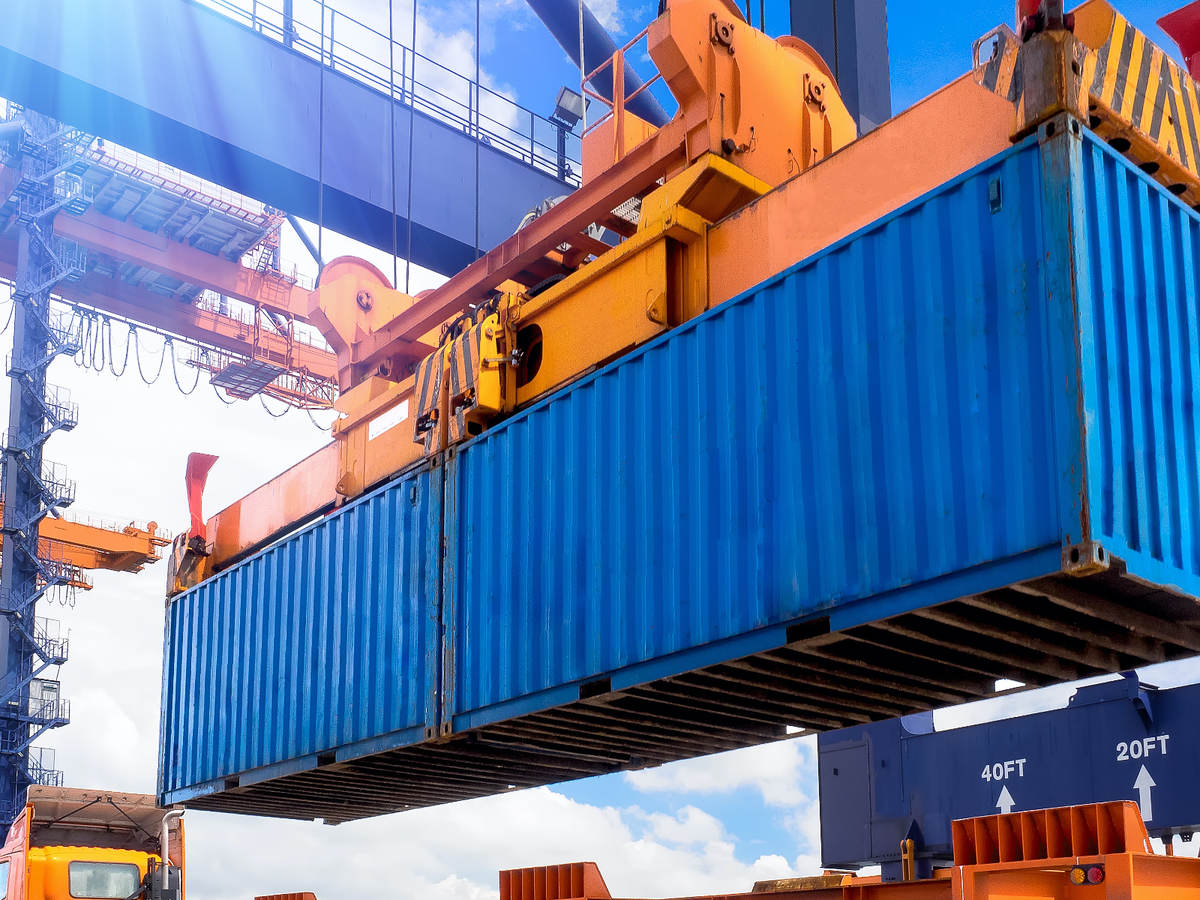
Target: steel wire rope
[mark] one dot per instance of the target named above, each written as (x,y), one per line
(175,370)
(83,356)
(478,111)
(279,415)
(12,307)
(81,325)
(97,345)
(392,137)
(106,337)
(97,335)
(321,142)
(412,104)
(217,391)
(313,419)
(112,356)
(583,79)
(137,357)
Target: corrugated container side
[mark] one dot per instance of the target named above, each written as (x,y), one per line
(1139,249)
(880,416)
(321,642)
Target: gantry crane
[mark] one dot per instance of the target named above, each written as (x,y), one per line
(52,174)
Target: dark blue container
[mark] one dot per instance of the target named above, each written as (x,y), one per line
(1118,740)
(959,445)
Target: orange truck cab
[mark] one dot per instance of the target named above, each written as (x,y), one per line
(71,844)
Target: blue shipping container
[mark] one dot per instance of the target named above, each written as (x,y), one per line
(320,648)
(959,445)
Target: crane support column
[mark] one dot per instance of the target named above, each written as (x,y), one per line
(852,38)
(30,705)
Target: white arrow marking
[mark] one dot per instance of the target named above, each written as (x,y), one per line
(1006,802)
(1143,784)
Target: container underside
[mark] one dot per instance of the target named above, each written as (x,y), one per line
(1047,631)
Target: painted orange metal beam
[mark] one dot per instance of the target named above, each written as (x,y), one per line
(88,546)
(136,304)
(97,547)
(305,490)
(876,174)
(638,171)
(122,240)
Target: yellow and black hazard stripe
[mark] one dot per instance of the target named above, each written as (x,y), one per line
(463,363)
(428,391)
(1147,107)
(1002,73)
(1138,99)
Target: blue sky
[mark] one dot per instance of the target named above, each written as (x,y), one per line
(926,49)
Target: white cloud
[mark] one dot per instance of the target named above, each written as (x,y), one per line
(689,826)
(778,771)
(454,852)
(608,13)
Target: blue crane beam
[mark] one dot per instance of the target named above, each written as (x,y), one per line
(190,87)
(1119,740)
(562,19)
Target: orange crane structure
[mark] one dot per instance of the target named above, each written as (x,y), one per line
(165,252)
(74,547)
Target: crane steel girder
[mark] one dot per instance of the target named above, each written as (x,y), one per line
(275,142)
(270,290)
(207,327)
(562,18)
(87,546)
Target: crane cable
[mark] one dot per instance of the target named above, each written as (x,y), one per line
(138,359)
(175,370)
(279,415)
(412,107)
(582,77)
(112,356)
(94,332)
(317,424)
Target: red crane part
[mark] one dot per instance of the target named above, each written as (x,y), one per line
(1183,27)
(198,466)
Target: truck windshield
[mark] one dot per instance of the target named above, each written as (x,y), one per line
(102,881)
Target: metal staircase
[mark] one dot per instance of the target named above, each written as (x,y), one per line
(47,156)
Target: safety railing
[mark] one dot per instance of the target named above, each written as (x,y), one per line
(47,634)
(41,767)
(250,318)
(620,101)
(349,46)
(175,181)
(39,774)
